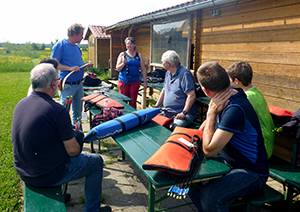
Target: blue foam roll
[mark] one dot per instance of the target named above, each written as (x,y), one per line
(117,125)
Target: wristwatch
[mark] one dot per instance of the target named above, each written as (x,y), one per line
(184,112)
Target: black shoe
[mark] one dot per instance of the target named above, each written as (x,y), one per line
(105,209)
(67,198)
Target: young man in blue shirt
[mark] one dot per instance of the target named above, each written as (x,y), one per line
(231,131)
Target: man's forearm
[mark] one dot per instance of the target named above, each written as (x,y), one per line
(209,130)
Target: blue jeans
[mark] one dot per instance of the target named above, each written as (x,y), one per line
(183,122)
(214,195)
(89,166)
(76,91)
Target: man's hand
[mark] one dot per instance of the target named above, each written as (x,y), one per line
(75,68)
(220,101)
(180,116)
(88,64)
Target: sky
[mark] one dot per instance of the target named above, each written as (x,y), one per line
(40,21)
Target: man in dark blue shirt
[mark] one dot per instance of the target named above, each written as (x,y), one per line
(232,131)
(46,151)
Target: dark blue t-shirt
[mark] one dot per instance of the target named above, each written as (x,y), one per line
(39,127)
(246,148)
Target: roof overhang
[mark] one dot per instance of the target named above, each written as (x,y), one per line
(179,9)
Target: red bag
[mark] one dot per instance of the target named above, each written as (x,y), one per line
(279,115)
(163,121)
(180,154)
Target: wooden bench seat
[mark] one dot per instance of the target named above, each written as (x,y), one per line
(43,199)
(288,175)
(266,195)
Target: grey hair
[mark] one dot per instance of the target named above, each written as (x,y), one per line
(42,75)
(172,57)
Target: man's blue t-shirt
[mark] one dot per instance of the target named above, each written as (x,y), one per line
(246,148)
(176,87)
(39,127)
(68,54)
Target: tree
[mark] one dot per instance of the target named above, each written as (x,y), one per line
(35,46)
(43,46)
(9,47)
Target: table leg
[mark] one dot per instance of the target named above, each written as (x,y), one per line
(92,145)
(151,198)
(295,152)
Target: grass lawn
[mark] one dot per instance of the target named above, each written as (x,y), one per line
(13,87)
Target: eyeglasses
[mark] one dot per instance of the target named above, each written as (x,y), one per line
(56,79)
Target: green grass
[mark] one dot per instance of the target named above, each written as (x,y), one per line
(13,88)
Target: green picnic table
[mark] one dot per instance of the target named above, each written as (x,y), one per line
(141,142)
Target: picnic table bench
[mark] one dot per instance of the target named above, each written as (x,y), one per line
(43,199)
(287,172)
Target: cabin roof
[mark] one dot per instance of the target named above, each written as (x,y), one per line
(173,10)
(97,31)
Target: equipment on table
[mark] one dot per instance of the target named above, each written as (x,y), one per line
(121,124)
(98,100)
(180,155)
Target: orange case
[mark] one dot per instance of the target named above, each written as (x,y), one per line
(176,157)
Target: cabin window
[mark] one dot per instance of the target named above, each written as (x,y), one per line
(170,36)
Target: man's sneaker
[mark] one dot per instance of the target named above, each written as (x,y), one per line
(105,209)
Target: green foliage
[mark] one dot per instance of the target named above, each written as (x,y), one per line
(101,73)
(42,47)
(13,88)
(21,59)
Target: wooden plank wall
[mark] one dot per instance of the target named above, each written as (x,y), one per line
(91,52)
(103,53)
(141,33)
(115,49)
(264,33)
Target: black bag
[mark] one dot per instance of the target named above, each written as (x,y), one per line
(198,91)
(158,75)
(91,81)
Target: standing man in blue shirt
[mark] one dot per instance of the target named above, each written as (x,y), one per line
(178,94)
(70,60)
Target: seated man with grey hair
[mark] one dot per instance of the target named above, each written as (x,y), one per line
(178,95)
(46,149)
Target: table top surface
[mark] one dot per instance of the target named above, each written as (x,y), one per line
(203,100)
(158,86)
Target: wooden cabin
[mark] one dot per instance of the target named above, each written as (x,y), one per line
(264,33)
(98,46)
